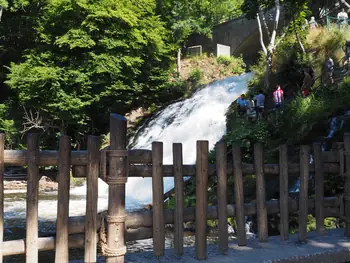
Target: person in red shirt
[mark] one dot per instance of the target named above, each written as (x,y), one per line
(278,97)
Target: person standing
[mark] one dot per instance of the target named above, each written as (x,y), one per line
(242,105)
(342,16)
(312,23)
(278,96)
(260,103)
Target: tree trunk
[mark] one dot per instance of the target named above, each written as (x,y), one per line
(297,36)
(179,61)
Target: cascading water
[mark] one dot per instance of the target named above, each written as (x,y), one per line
(201,117)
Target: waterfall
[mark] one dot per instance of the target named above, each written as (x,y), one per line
(201,117)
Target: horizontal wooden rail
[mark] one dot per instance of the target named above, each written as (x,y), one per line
(144,218)
(190,170)
(50,158)
(17,247)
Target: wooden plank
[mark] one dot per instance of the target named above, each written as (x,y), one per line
(239,195)
(61,254)
(158,202)
(179,199)
(116,180)
(319,187)
(347,184)
(90,255)
(32,199)
(2,170)
(221,167)
(201,199)
(284,213)
(303,194)
(50,158)
(260,192)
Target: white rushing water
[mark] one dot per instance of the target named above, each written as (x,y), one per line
(201,117)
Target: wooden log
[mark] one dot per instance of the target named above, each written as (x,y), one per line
(239,195)
(144,218)
(17,247)
(284,213)
(179,199)
(260,192)
(319,187)
(79,158)
(347,184)
(90,250)
(32,199)
(2,170)
(158,202)
(201,199)
(221,166)
(116,180)
(247,169)
(61,253)
(303,193)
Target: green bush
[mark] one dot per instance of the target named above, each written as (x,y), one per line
(225,60)
(195,76)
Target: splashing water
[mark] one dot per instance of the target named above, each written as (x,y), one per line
(201,117)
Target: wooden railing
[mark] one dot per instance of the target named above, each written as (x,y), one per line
(81,231)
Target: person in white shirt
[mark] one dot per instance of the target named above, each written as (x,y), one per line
(342,16)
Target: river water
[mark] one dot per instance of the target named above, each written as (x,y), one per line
(201,117)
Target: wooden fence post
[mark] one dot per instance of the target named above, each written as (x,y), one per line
(260,192)
(303,194)
(284,211)
(201,199)
(158,199)
(116,179)
(61,253)
(91,199)
(319,187)
(2,170)
(347,184)
(239,195)
(179,198)
(221,168)
(32,199)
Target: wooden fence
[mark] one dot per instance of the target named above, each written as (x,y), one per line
(81,231)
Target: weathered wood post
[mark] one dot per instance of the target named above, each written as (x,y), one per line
(2,170)
(62,249)
(221,168)
(116,179)
(260,192)
(284,212)
(304,193)
(347,184)
(319,187)
(201,199)
(179,198)
(239,195)
(91,199)
(158,199)
(32,199)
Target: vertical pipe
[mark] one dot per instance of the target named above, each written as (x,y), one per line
(284,212)
(303,194)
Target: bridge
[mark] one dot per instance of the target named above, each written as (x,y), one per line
(111,230)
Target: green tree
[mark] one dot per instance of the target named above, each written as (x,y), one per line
(90,58)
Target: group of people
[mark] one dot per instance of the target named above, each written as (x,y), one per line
(253,107)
